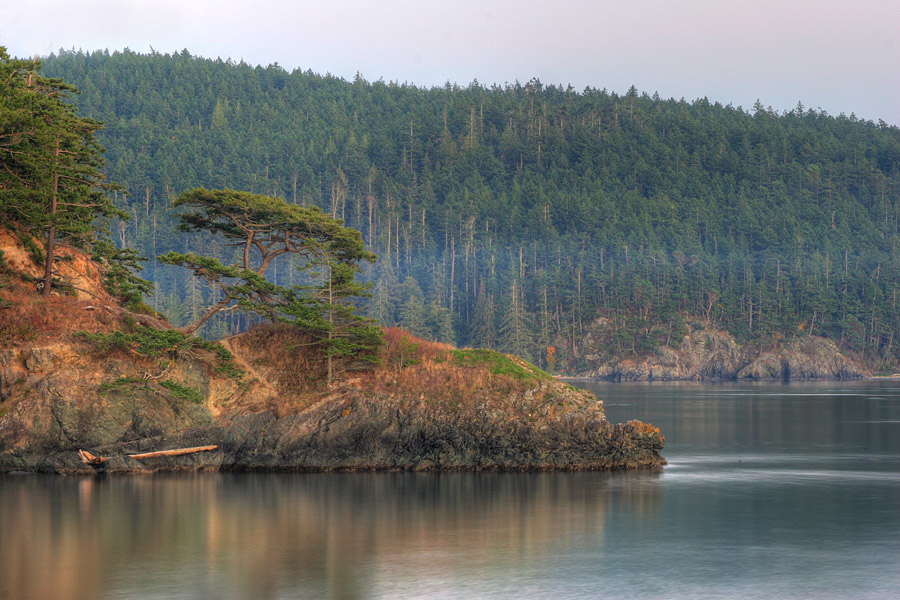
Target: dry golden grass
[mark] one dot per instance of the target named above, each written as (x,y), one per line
(284,360)
(409,367)
(28,318)
(395,339)
(429,373)
(284,354)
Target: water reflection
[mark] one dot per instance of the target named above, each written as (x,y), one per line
(772,491)
(309,535)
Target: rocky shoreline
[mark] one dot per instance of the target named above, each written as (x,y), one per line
(262,443)
(80,372)
(432,416)
(711,355)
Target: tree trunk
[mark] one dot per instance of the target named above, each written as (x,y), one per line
(189,329)
(51,233)
(331,330)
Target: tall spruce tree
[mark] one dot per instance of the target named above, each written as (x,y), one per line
(326,311)
(412,309)
(50,160)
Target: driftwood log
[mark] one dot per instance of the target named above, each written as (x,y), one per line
(175,452)
(96,461)
(87,457)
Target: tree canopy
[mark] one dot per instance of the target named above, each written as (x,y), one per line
(525,209)
(51,183)
(263,228)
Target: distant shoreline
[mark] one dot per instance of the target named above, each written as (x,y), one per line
(566,379)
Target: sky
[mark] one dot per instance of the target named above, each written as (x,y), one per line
(840,56)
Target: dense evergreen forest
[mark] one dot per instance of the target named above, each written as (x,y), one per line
(513,217)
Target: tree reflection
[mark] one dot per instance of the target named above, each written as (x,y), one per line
(283,535)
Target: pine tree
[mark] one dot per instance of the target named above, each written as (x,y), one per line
(264,228)
(483,332)
(516,336)
(383,305)
(50,180)
(439,323)
(412,308)
(327,311)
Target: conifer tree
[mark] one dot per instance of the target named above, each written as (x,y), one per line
(327,312)
(484,328)
(50,180)
(439,323)
(516,336)
(412,309)
(264,228)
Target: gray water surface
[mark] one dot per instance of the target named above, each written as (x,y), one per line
(772,491)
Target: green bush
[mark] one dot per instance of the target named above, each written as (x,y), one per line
(119,384)
(498,364)
(154,343)
(182,392)
(36,252)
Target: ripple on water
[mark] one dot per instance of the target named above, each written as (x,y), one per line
(798,477)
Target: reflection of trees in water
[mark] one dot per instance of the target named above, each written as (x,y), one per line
(41,543)
(240,535)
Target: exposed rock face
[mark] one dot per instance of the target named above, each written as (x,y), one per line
(440,409)
(51,400)
(360,431)
(803,359)
(424,417)
(715,355)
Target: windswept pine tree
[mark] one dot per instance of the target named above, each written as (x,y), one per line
(262,229)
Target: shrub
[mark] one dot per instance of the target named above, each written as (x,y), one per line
(153,343)
(498,364)
(182,392)
(119,384)
(33,249)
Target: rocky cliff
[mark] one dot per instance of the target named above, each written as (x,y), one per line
(79,372)
(445,412)
(708,354)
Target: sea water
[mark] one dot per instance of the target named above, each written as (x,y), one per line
(772,491)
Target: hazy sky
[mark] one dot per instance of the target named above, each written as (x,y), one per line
(838,55)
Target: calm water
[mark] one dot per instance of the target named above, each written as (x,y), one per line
(775,491)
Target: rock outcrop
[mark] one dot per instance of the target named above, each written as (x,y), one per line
(80,372)
(708,354)
(435,415)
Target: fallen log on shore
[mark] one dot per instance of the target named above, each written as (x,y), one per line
(88,458)
(175,452)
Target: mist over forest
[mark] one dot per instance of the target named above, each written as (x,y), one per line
(514,217)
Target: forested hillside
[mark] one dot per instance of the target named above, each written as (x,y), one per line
(512,217)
